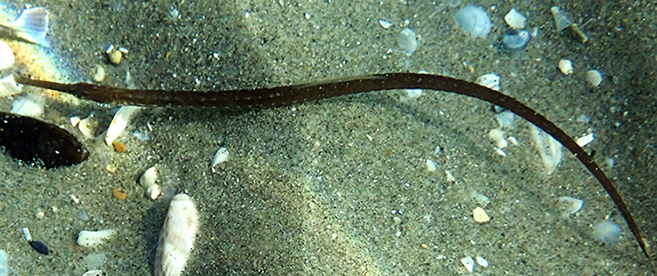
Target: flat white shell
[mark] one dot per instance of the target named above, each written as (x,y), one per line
(6,56)
(177,236)
(569,205)
(481,261)
(515,20)
(594,78)
(221,156)
(28,105)
(468,263)
(94,238)
(119,123)
(8,86)
(491,81)
(480,215)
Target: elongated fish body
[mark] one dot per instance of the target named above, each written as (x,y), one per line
(31,25)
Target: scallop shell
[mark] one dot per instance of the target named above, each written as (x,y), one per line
(177,236)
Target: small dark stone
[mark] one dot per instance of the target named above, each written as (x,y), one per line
(40,247)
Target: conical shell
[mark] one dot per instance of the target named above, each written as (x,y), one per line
(177,236)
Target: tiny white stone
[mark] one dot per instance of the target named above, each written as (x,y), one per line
(8,86)
(468,263)
(99,73)
(481,261)
(491,81)
(585,140)
(480,215)
(75,199)
(94,238)
(120,122)
(515,19)
(6,56)
(431,166)
(497,135)
(449,176)
(566,66)
(221,156)
(147,181)
(385,24)
(594,78)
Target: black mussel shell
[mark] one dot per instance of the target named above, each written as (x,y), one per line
(39,143)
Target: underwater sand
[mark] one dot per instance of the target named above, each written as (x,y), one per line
(305,191)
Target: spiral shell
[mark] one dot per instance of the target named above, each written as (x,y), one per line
(177,236)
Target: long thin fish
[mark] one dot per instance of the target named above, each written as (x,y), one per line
(287,95)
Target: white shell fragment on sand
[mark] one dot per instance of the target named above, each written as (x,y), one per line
(94,238)
(569,205)
(28,105)
(89,127)
(607,232)
(6,56)
(407,41)
(8,86)
(120,122)
(480,215)
(497,135)
(548,148)
(566,66)
(491,81)
(468,263)
(431,166)
(593,78)
(147,181)
(515,19)
(385,24)
(221,156)
(177,236)
(585,140)
(94,273)
(561,21)
(4,268)
(481,261)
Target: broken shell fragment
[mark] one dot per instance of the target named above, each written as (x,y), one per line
(94,238)
(594,78)
(491,81)
(221,156)
(515,19)
(8,86)
(6,56)
(480,215)
(561,21)
(120,122)
(569,205)
(177,236)
(147,181)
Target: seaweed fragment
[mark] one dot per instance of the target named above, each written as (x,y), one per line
(293,94)
(39,143)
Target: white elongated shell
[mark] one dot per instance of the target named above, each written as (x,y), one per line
(177,236)
(119,122)
(147,181)
(94,238)
(6,56)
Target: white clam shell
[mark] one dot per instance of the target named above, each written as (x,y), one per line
(94,238)
(120,122)
(6,56)
(177,236)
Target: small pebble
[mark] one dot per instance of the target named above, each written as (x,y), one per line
(119,147)
(114,55)
(480,215)
(119,194)
(431,166)
(566,67)
(481,261)
(99,73)
(515,19)
(40,247)
(594,78)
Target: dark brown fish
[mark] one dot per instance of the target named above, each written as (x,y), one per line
(39,143)
(287,95)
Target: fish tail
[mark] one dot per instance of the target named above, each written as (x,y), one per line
(32,25)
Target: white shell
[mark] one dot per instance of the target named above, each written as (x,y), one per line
(481,261)
(561,21)
(585,140)
(94,238)
(515,20)
(549,149)
(8,86)
(221,156)
(119,123)
(4,268)
(177,236)
(6,56)
(94,273)
(385,24)
(407,41)
(431,166)
(88,127)
(147,180)
(594,78)
(468,263)
(480,215)
(491,81)
(28,105)
(566,66)
(569,205)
